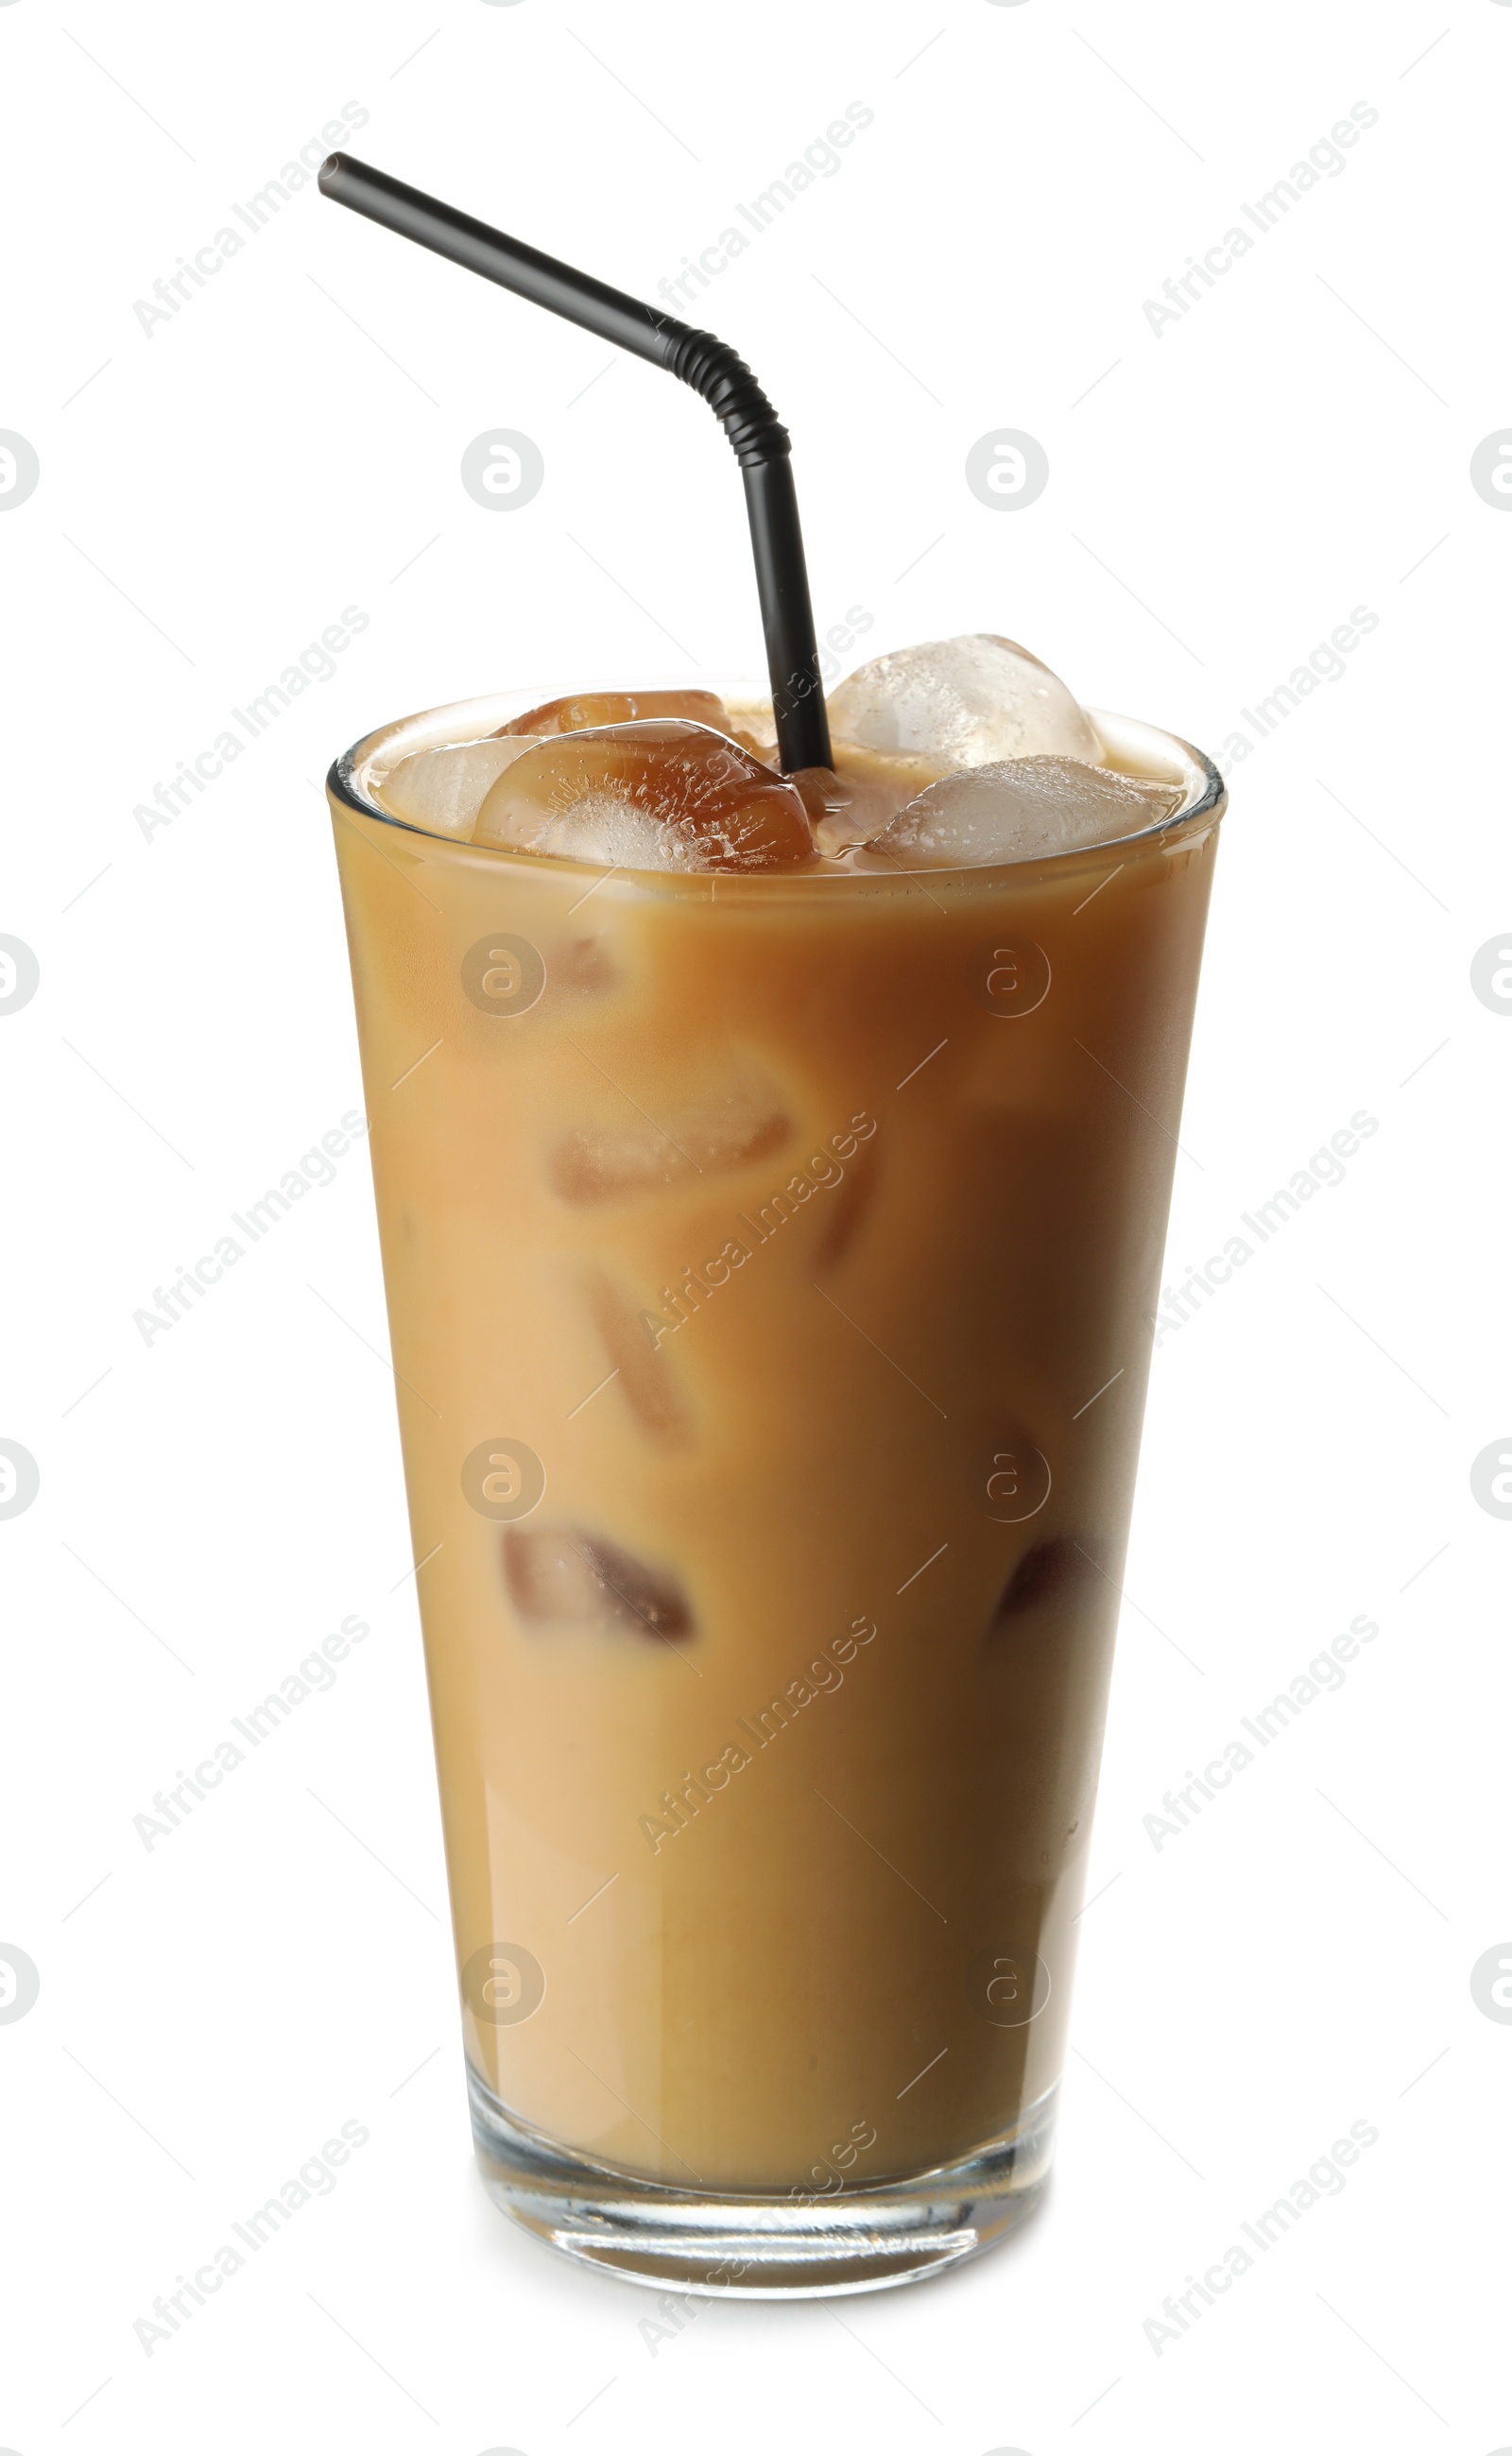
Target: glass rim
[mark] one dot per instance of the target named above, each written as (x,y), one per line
(1147,749)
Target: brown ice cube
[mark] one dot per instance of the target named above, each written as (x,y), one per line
(663,794)
(557,1573)
(591,709)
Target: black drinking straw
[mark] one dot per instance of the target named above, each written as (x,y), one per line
(761,443)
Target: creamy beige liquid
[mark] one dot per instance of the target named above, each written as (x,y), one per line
(783,1814)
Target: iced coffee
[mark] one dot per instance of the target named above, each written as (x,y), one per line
(772,1175)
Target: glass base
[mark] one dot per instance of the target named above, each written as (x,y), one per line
(754,2246)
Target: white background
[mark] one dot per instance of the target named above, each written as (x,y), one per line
(1221,497)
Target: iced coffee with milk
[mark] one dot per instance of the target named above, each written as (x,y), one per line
(772,1173)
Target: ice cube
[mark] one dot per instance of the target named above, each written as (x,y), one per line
(1050,1572)
(556,1573)
(592,708)
(737,1119)
(642,1371)
(586,966)
(850,804)
(443,791)
(964,702)
(663,794)
(848,1214)
(1018,809)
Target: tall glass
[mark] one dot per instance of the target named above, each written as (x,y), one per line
(769,1264)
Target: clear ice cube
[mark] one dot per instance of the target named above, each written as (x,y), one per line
(1021,809)
(557,1573)
(964,702)
(443,791)
(663,794)
(847,807)
(740,1118)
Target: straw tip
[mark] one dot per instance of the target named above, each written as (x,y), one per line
(330,171)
